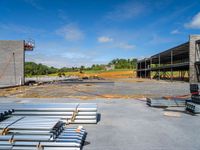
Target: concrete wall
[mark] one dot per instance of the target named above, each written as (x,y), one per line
(12,58)
(193,57)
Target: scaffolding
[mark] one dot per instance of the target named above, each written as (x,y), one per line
(29,45)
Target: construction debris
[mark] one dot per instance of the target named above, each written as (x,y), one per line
(85,81)
(191,105)
(161,102)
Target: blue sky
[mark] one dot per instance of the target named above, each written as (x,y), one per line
(85,32)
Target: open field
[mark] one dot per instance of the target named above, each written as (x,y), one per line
(128,125)
(120,73)
(110,74)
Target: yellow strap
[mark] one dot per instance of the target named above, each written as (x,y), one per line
(4,131)
(39,146)
(11,140)
(75,113)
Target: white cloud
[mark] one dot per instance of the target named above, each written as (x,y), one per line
(176,31)
(195,22)
(126,46)
(70,32)
(104,39)
(126,11)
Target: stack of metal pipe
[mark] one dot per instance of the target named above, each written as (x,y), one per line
(35,133)
(194,105)
(5,112)
(161,102)
(68,112)
(44,126)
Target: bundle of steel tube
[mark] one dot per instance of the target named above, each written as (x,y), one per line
(4,112)
(30,132)
(194,105)
(160,102)
(43,126)
(195,99)
(70,112)
(70,138)
(194,90)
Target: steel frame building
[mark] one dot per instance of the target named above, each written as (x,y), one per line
(183,59)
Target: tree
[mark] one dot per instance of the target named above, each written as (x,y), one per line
(124,63)
(82,68)
(59,74)
(32,68)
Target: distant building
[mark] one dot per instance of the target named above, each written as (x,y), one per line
(12,58)
(109,67)
(181,62)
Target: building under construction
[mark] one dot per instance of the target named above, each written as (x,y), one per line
(178,63)
(12,58)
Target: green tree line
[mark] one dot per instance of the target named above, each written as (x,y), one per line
(124,63)
(32,68)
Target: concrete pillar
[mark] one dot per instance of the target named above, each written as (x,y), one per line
(145,67)
(140,70)
(171,66)
(136,70)
(193,58)
(11,63)
(150,67)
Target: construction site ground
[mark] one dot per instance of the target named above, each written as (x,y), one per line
(127,125)
(126,88)
(124,119)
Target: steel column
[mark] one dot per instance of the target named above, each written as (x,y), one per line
(159,67)
(145,73)
(171,65)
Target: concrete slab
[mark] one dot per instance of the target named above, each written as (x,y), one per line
(118,89)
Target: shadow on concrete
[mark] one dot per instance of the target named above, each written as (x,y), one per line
(86,143)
